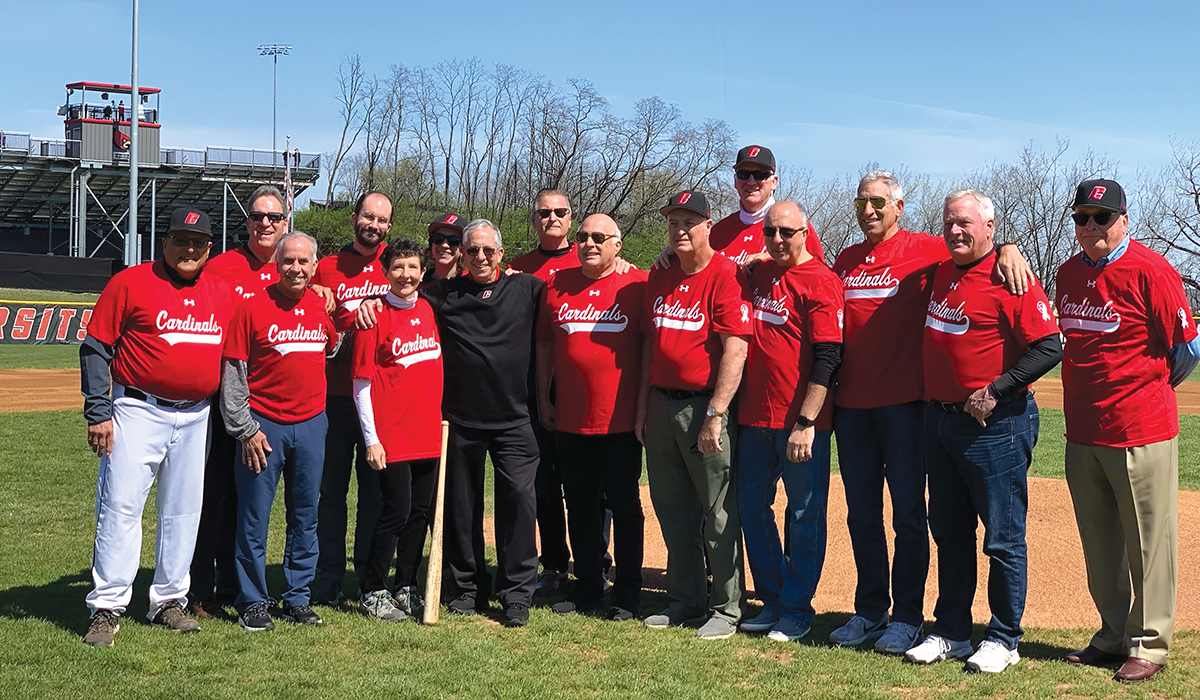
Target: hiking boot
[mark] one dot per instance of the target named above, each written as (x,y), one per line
(255,618)
(516,615)
(207,609)
(103,629)
(173,617)
(300,615)
(379,605)
(409,602)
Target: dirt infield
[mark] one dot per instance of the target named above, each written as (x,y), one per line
(1057,586)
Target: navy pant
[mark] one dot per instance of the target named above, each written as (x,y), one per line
(876,445)
(213,570)
(297,454)
(979,474)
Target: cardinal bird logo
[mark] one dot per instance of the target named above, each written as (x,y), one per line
(120,140)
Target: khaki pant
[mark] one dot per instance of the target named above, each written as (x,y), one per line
(1130,496)
(696,504)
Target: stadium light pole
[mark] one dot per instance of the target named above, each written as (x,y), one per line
(132,252)
(274,51)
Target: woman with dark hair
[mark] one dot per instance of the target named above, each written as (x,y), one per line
(445,249)
(398,392)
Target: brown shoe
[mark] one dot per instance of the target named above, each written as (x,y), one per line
(1091,656)
(175,619)
(207,609)
(1135,670)
(102,631)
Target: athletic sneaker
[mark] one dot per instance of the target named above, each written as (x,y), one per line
(409,602)
(788,629)
(899,638)
(937,648)
(992,657)
(255,618)
(331,596)
(716,628)
(174,618)
(516,615)
(102,630)
(763,621)
(859,630)
(672,618)
(379,605)
(618,614)
(549,582)
(207,609)
(463,605)
(300,615)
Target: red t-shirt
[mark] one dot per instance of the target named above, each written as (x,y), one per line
(794,307)
(596,329)
(1120,321)
(886,292)
(283,342)
(243,271)
(738,241)
(402,356)
(166,336)
(352,277)
(975,329)
(543,266)
(684,315)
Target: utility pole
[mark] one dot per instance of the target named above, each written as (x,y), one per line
(274,51)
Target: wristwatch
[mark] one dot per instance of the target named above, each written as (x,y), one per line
(805,421)
(714,413)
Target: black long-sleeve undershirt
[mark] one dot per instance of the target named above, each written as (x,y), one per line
(1040,358)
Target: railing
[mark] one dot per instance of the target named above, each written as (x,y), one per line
(218,155)
(54,148)
(185,157)
(108,113)
(10,141)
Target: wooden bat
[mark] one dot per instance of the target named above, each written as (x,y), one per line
(433,567)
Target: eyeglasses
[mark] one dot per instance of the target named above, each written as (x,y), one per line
(561,212)
(758,175)
(369,218)
(440,238)
(860,203)
(473,251)
(274,216)
(1101,218)
(785,233)
(597,238)
(181,242)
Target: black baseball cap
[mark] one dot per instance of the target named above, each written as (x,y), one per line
(690,200)
(453,221)
(756,154)
(190,219)
(1103,194)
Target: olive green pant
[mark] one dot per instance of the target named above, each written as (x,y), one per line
(696,505)
(1127,508)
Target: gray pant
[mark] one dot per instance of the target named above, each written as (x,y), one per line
(696,504)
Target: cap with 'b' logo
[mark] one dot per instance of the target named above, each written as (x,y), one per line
(690,200)
(1103,194)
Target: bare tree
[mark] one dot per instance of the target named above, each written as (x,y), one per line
(1170,218)
(352,90)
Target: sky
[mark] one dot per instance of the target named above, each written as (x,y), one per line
(939,88)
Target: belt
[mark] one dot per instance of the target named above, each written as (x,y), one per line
(683,394)
(152,399)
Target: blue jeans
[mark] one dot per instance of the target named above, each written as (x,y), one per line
(297,454)
(790,578)
(875,444)
(979,474)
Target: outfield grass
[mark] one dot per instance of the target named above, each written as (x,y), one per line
(46,527)
(12,294)
(39,357)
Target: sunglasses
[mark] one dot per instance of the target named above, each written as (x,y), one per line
(860,203)
(785,233)
(1101,218)
(274,217)
(758,175)
(473,251)
(440,238)
(182,242)
(597,238)
(561,212)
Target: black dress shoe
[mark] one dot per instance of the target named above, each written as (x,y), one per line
(1135,670)
(1091,656)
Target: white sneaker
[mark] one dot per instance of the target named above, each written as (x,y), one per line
(936,648)
(992,657)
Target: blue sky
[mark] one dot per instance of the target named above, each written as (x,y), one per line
(941,88)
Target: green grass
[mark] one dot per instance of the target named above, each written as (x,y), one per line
(46,527)
(39,357)
(12,294)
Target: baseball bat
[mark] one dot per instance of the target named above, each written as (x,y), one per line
(433,567)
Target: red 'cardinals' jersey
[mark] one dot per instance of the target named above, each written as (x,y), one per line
(402,356)
(596,329)
(886,292)
(738,241)
(166,336)
(684,315)
(1120,321)
(283,342)
(542,266)
(794,307)
(243,271)
(975,330)
(352,277)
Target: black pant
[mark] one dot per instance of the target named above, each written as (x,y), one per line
(596,467)
(408,492)
(213,556)
(515,460)
(551,522)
